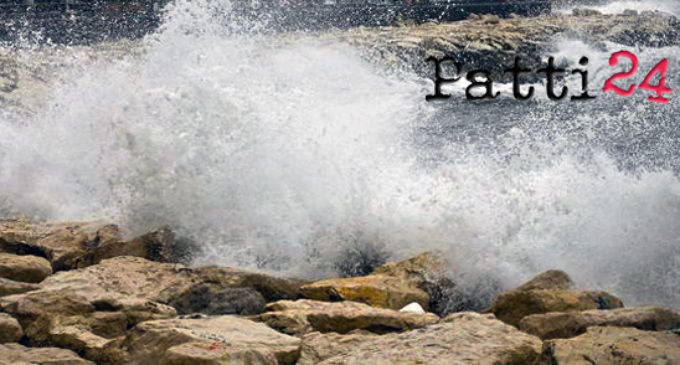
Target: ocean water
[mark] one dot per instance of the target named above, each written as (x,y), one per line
(283,152)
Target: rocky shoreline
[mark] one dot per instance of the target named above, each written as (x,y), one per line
(80,293)
(492,43)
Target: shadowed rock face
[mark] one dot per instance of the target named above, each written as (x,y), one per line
(10,330)
(613,345)
(571,324)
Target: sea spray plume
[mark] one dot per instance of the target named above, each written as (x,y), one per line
(272,151)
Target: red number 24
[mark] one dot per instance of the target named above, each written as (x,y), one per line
(660,89)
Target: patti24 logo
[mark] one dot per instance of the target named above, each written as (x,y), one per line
(481,80)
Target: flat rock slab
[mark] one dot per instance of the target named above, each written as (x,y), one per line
(10,330)
(570,324)
(302,316)
(13,353)
(26,268)
(156,342)
(463,338)
(613,345)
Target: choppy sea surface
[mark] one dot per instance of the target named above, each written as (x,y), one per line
(284,155)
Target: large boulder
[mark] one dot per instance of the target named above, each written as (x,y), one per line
(465,337)
(70,245)
(547,293)
(13,353)
(9,287)
(303,316)
(571,324)
(27,269)
(10,330)
(613,345)
(393,285)
(193,339)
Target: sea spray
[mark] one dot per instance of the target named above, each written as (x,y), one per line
(280,152)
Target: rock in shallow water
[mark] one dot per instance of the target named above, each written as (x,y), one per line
(570,324)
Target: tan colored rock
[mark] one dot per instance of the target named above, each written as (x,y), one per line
(571,324)
(464,338)
(551,279)
(10,330)
(302,316)
(548,292)
(10,287)
(317,346)
(613,345)
(511,307)
(393,285)
(216,354)
(70,245)
(13,353)
(99,349)
(27,268)
(225,335)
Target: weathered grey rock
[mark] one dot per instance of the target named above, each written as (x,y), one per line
(211,299)
(585,12)
(13,353)
(463,338)
(10,330)
(302,316)
(157,341)
(545,293)
(613,345)
(27,269)
(9,287)
(570,324)
(393,285)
